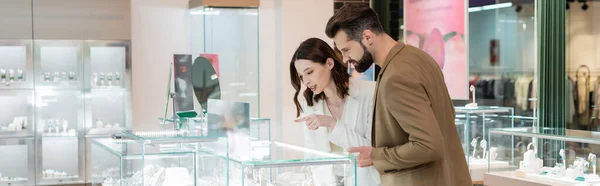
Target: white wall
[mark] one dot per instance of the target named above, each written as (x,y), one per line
(516,35)
(159,29)
(284,25)
(583,36)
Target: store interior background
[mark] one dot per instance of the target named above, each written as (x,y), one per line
(160,28)
(157,29)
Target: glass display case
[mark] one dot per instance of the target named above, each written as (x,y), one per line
(528,156)
(81,91)
(17,129)
(277,163)
(17,165)
(260,129)
(228,37)
(157,158)
(107,84)
(473,124)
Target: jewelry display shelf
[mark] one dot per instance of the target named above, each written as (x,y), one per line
(541,157)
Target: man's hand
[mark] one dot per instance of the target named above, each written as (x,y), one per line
(313,122)
(364,157)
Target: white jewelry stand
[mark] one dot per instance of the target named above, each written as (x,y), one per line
(593,176)
(530,161)
(474,145)
(562,155)
(483,145)
(473,104)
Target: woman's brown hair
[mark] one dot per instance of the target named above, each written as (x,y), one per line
(318,51)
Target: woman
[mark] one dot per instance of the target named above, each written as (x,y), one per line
(336,109)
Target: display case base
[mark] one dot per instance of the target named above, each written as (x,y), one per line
(511,178)
(479,167)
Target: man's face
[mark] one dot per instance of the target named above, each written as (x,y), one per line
(352,50)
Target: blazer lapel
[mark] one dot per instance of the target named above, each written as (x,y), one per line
(321,134)
(395,50)
(352,106)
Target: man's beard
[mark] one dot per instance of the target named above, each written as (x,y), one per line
(365,61)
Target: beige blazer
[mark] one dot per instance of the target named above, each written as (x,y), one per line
(353,131)
(414,136)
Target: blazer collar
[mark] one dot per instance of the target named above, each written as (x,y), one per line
(395,50)
(353,88)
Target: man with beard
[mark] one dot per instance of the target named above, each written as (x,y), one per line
(414,139)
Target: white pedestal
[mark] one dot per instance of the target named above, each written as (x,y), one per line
(478,167)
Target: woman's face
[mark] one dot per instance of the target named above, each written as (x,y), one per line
(315,76)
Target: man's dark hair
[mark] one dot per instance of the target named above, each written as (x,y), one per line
(354,19)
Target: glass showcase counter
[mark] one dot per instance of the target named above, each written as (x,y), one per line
(473,125)
(526,156)
(154,158)
(277,163)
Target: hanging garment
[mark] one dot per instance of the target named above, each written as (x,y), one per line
(532,94)
(499,88)
(488,91)
(595,123)
(582,88)
(479,88)
(582,102)
(523,92)
(509,92)
(570,101)
(518,93)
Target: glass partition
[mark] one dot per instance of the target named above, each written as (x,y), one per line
(228,37)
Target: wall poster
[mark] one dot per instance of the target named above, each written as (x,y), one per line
(438,27)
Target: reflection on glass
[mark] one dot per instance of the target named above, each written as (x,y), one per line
(583,67)
(502,55)
(205,81)
(125,162)
(229,38)
(543,157)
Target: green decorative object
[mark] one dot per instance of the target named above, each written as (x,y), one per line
(552,99)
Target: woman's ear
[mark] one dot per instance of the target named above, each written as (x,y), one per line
(330,63)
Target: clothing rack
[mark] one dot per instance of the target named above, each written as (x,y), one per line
(508,88)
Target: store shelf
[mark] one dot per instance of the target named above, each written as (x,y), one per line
(60,137)
(15,134)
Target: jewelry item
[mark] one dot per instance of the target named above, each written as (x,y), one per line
(65,124)
(56,77)
(474,103)
(50,124)
(20,75)
(109,78)
(592,159)
(562,155)
(57,126)
(46,76)
(117,78)
(11,74)
(3,74)
(474,145)
(483,145)
(101,78)
(94,79)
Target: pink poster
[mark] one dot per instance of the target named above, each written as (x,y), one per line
(438,28)
(214,60)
